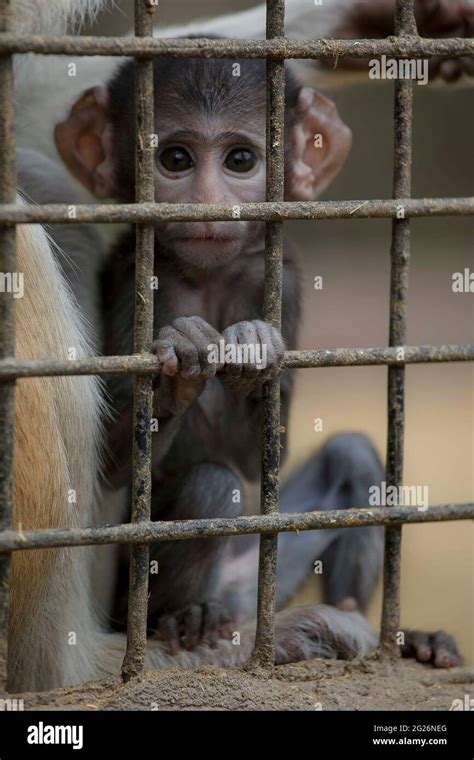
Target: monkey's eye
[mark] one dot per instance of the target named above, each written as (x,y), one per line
(176,159)
(240,160)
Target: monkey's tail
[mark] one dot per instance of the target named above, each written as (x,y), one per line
(319,630)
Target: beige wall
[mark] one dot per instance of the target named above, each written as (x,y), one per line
(352,310)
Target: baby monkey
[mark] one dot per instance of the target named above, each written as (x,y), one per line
(210,122)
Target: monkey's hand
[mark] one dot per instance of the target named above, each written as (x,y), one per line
(255,351)
(374,19)
(438,649)
(183,349)
(194,625)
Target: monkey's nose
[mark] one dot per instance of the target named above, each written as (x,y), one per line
(209,230)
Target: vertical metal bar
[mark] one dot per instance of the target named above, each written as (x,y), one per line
(400,259)
(264,652)
(7,303)
(134,660)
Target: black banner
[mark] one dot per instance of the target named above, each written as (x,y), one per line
(373,734)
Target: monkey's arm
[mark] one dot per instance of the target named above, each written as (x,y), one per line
(181,346)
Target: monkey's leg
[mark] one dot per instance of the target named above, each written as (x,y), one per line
(183,588)
(338,476)
(351,563)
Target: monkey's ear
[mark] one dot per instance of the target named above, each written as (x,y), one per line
(84,142)
(320,145)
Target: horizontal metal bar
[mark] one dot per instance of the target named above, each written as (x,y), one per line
(306,359)
(360,357)
(407,47)
(178,530)
(59,213)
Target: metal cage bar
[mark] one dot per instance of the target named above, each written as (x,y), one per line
(231,49)
(141,532)
(7,305)
(264,652)
(134,660)
(216,212)
(175,530)
(306,359)
(405,25)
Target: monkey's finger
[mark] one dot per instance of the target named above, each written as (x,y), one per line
(273,347)
(192,626)
(249,343)
(211,337)
(204,338)
(231,617)
(165,351)
(168,631)
(210,623)
(233,369)
(445,651)
(187,354)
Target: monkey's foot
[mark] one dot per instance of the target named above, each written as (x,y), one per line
(438,649)
(194,625)
(435,18)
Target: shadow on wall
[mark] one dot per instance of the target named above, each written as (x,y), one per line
(352,256)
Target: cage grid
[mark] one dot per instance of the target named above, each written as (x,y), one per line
(144,213)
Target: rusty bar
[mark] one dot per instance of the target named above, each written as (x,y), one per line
(279,48)
(304,359)
(264,651)
(405,25)
(134,660)
(191,212)
(181,530)
(7,305)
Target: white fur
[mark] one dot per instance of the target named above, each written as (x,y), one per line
(53,16)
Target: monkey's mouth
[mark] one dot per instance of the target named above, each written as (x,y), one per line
(204,243)
(208,239)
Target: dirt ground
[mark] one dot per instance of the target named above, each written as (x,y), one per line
(368,684)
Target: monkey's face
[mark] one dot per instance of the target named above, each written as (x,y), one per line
(210,162)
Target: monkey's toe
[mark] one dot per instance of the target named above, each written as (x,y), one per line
(192,626)
(438,649)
